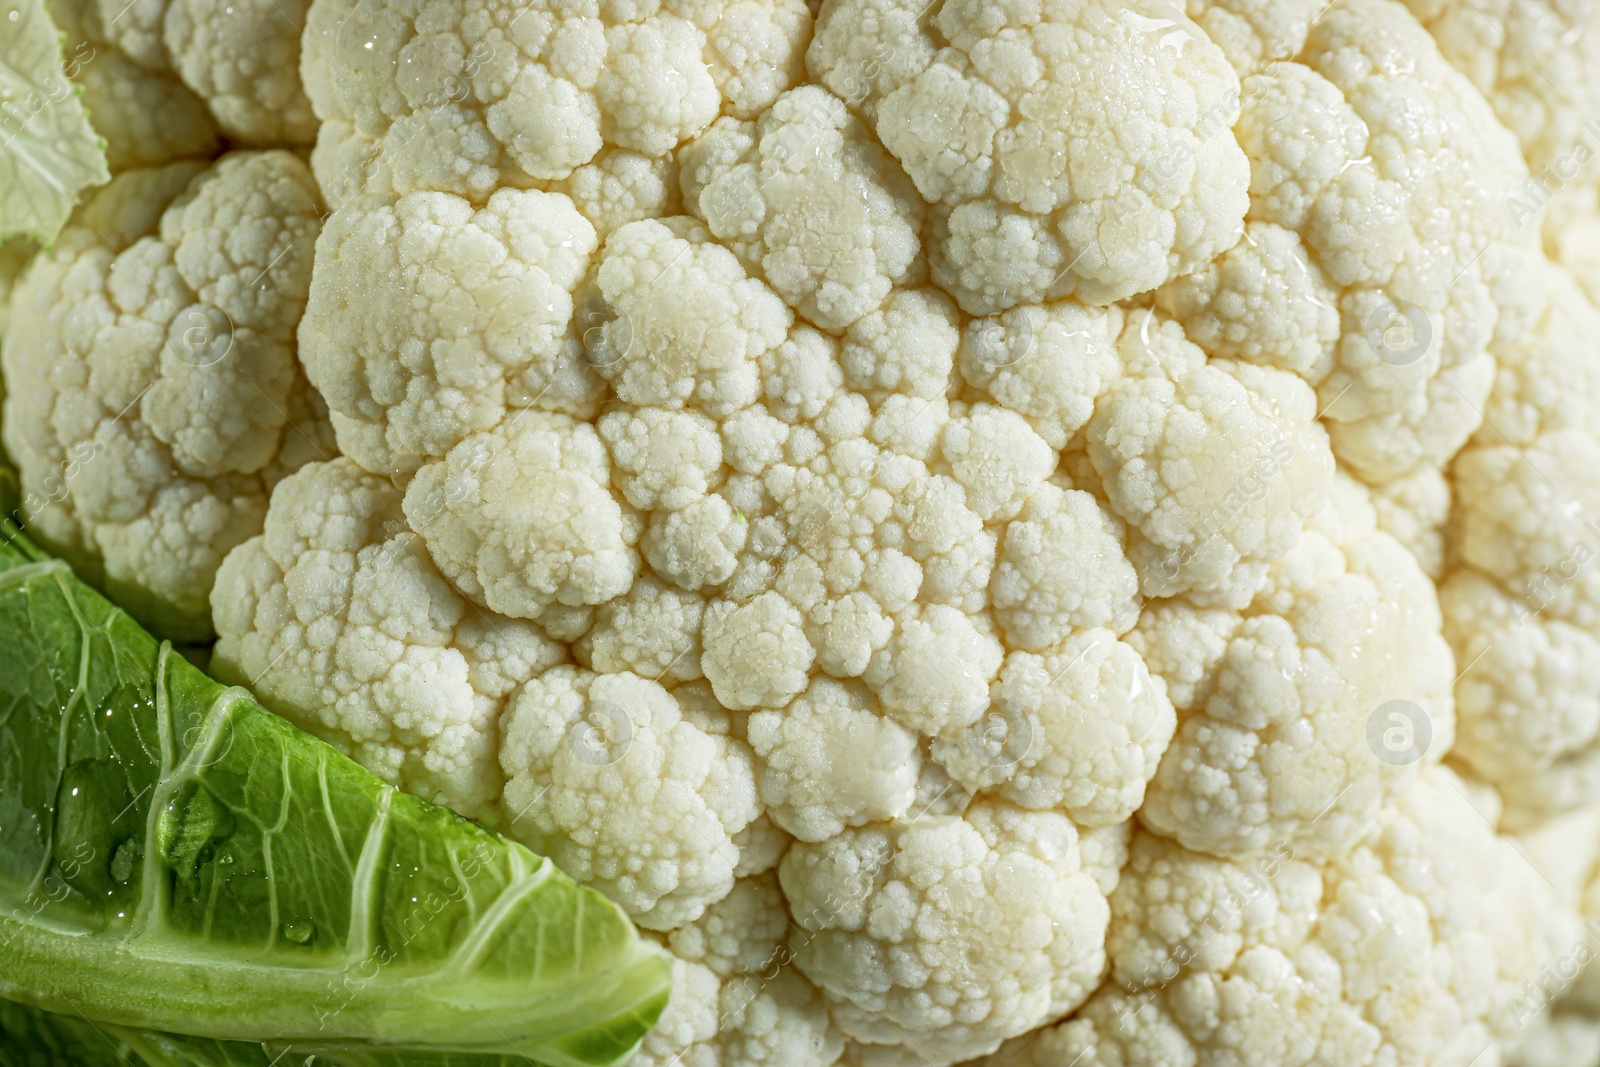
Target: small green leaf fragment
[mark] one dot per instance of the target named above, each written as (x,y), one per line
(48,151)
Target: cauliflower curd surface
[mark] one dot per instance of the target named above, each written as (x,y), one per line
(1039,533)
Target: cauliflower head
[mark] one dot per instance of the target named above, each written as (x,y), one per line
(1038,532)
(153,394)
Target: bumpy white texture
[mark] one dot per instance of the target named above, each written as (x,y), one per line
(431,319)
(1078,729)
(473,95)
(1408,949)
(148,118)
(1214,464)
(1074,148)
(607,777)
(335,616)
(964,929)
(1522,604)
(1273,746)
(923,482)
(1048,364)
(807,197)
(145,113)
(152,392)
(1380,183)
(207,65)
(677,320)
(1538,65)
(829,761)
(737,999)
(1254,34)
(521,518)
(242,57)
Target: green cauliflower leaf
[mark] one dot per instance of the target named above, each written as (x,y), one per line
(173,857)
(48,150)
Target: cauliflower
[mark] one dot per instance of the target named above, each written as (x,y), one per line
(162,80)
(1036,532)
(136,102)
(1407,950)
(606,775)
(955,928)
(468,96)
(375,651)
(1380,260)
(1537,65)
(424,374)
(153,396)
(1075,149)
(809,199)
(737,997)
(1274,747)
(1522,603)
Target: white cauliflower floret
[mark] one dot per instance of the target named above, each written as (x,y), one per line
(1524,518)
(756,654)
(1061,568)
(765,1013)
(1406,951)
(890,517)
(743,933)
(1413,510)
(147,117)
(1254,33)
(652,631)
(620,187)
(665,460)
(1074,149)
(1548,380)
(800,376)
(470,95)
(698,546)
(1535,61)
(933,676)
(338,620)
(1393,173)
(1286,737)
(1049,364)
(773,1019)
(607,778)
(997,458)
(1523,601)
(949,933)
(679,323)
(431,319)
(829,761)
(1182,644)
(807,198)
(522,517)
(1528,700)
(1215,466)
(143,110)
(904,348)
(1265,300)
(1557,1040)
(686,1033)
(150,369)
(1078,729)
(241,59)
